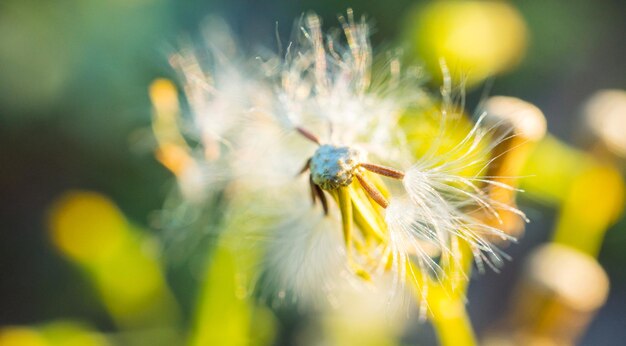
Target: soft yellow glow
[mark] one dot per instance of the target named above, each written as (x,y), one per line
(142,271)
(424,136)
(164,97)
(57,333)
(174,158)
(89,229)
(222,318)
(166,112)
(173,151)
(87,226)
(21,336)
(364,317)
(224,311)
(476,38)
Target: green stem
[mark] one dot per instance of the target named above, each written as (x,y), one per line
(450,320)
(221,317)
(446,298)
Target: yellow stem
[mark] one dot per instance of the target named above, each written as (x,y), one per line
(450,320)
(222,314)
(446,298)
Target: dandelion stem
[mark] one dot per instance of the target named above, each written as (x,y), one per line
(447,300)
(446,303)
(450,320)
(221,317)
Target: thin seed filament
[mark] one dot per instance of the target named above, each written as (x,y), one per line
(372,191)
(308,135)
(382,170)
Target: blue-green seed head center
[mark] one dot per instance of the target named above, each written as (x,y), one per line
(333,167)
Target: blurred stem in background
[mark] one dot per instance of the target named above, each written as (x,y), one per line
(446,300)
(522,125)
(225,312)
(119,260)
(481,39)
(478,40)
(452,324)
(222,317)
(558,294)
(593,204)
(563,284)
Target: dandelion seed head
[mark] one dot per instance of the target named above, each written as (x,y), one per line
(249,124)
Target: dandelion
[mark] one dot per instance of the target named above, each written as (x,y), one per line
(324,125)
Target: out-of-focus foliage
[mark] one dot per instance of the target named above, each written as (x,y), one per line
(58,333)
(75,114)
(477,39)
(121,262)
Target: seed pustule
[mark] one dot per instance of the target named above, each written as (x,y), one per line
(333,167)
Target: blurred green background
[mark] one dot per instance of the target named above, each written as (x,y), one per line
(75,114)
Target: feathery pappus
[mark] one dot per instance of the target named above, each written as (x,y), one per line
(337,164)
